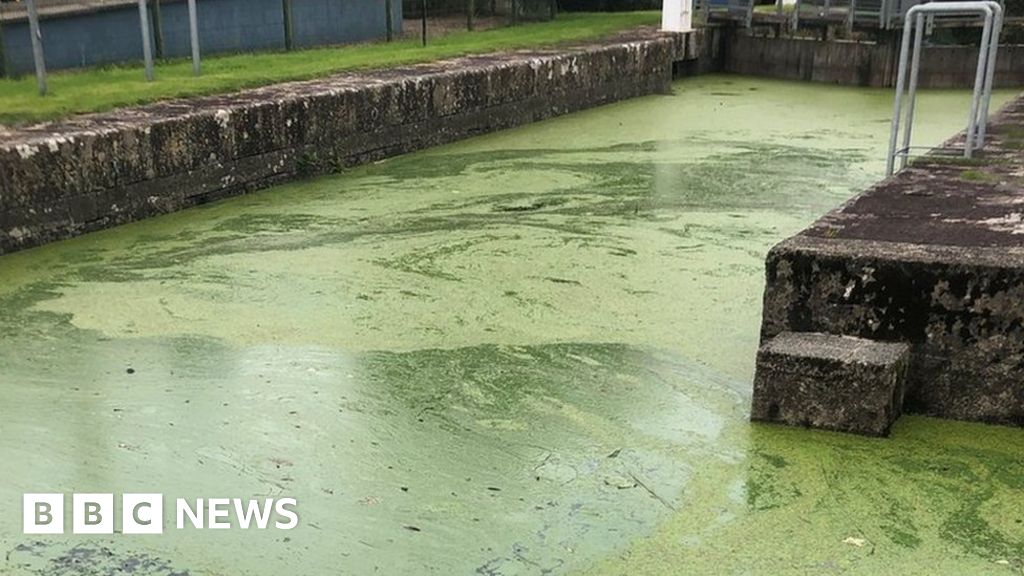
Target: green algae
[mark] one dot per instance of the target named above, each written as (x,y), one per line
(937,498)
(526,353)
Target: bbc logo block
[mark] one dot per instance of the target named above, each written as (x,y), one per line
(144,513)
(93,514)
(43,514)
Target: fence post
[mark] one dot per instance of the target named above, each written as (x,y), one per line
(470,9)
(389,27)
(193,30)
(554,9)
(37,45)
(515,12)
(147,49)
(423,19)
(286,9)
(3,54)
(158,30)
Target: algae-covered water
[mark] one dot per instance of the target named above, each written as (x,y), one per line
(528,353)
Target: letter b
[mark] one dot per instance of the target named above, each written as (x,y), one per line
(92,514)
(43,514)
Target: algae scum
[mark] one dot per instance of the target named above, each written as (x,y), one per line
(529,353)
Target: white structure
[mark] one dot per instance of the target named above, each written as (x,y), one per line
(677,15)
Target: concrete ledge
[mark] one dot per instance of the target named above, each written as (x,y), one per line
(934,257)
(831,382)
(91,172)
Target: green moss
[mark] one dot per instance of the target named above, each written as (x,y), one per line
(1013,138)
(977,176)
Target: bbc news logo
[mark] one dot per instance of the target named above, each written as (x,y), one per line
(144,513)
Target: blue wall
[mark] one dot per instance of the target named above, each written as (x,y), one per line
(105,36)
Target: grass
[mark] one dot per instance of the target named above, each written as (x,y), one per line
(977,176)
(99,89)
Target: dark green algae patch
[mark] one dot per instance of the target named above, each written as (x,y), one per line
(529,353)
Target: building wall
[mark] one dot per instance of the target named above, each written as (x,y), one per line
(111,34)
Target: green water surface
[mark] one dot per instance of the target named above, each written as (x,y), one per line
(527,353)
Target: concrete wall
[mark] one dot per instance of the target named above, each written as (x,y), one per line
(861,64)
(97,171)
(111,34)
(926,258)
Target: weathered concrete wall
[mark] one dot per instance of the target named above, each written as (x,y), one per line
(96,171)
(109,34)
(861,63)
(933,257)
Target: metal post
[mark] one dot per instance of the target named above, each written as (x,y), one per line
(915,63)
(554,9)
(470,9)
(897,106)
(979,81)
(423,20)
(3,54)
(850,17)
(147,49)
(389,25)
(37,46)
(158,30)
(193,29)
(997,29)
(286,11)
(974,135)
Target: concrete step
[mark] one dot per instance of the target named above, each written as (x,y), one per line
(832,382)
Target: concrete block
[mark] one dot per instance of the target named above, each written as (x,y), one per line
(832,382)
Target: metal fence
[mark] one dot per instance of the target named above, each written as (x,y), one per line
(426,19)
(39,34)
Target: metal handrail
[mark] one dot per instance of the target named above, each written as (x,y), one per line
(914,23)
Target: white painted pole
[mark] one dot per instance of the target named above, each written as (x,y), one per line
(193,33)
(37,46)
(147,49)
(677,15)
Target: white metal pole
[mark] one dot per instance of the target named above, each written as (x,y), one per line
(915,64)
(979,81)
(193,28)
(37,46)
(993,50)
(147,49)
(897,105)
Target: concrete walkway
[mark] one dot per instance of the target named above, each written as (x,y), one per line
(933,256)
